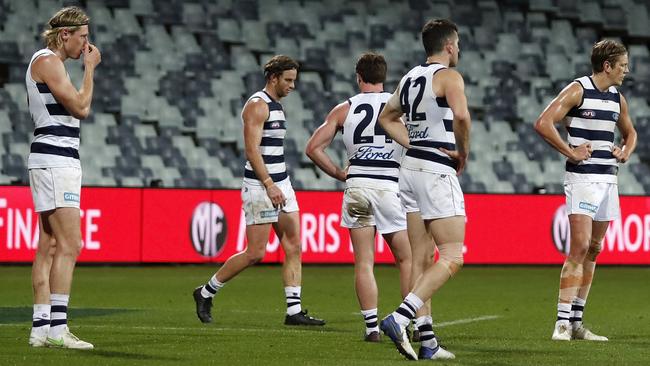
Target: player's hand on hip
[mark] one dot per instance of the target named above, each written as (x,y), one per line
(582,152)
(458,157)
(620,154)
(276,196)
(92,56)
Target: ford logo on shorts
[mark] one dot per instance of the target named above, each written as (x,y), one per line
(561,230)
(208,229)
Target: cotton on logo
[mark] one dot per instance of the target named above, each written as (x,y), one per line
(208,230)
(561,230)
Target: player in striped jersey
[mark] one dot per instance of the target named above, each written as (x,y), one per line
(591,108)
(432,100)
(56,107)
(371,200)
(267,195)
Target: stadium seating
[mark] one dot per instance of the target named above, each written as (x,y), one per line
(175,75)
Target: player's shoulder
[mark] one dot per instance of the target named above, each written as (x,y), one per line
(448,73)
(256,101)
(256,109)
(47,60)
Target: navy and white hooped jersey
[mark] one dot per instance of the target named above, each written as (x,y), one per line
(594,121)
(374,157)
(429,122)
(272,144)
(56,132)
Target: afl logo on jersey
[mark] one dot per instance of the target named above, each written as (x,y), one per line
(275,125)
(208,229)
(588,114)
(561,230)
(615,116)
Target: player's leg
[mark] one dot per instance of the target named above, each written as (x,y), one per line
(450,234)
(401,249)
(422,252)
(65,223)
(363,242)
(572,274)
(257,235)
(41,282)
(288,231)
(599,228)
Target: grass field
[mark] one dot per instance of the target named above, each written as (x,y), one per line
(486,315)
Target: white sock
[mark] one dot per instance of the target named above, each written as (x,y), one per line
(59,311)
(41,318)
(563,312)
(370,317)
(292,294)
(577,308)
(212,287)
(425,326)
(407,309)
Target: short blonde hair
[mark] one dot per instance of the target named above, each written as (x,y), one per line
(70,18)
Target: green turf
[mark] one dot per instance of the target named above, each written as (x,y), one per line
(145,316)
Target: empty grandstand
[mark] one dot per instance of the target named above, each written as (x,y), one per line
(175,74)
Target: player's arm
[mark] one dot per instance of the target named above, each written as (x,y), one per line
(628,134)
(390,120)
(569,97)
(255,112)
(322,138)
(454,91)
(50,70)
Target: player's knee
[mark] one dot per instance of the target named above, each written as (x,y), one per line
(292,248)
(70,248)
(594,249)
(254,256)
(451,256)
(578,252)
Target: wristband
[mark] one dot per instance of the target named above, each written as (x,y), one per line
(265,180)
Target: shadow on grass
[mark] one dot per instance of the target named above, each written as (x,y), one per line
(97,354)
(130,356)
(21,314)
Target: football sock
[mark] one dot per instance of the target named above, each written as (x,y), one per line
(563,312)
(59,314)
(407,309)
(292,293)
(370,317)
(577,307)
(425,326)
(41,317)
(212,287)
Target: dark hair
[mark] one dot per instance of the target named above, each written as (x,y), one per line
(372,68)
(606,50)
(277,65)
(436,33)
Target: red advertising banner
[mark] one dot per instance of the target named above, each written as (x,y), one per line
(110,225)
(197,226)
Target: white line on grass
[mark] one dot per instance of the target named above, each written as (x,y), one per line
(465,321)
(283,330)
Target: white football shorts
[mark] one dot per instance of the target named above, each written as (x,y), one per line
(596,200)
(434,195)
(258,208)
(364,207)
(55,187)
